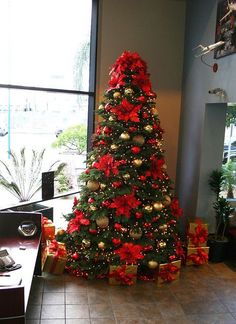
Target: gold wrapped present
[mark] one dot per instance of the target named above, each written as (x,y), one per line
(54,258)
(197,234)
(168,272)
(48,229)
(123,275)
(197,255)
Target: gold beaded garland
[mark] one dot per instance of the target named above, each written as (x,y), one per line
(102,221)
(152,264)
(139,139)
(93,185)
(148,128)
(124,136)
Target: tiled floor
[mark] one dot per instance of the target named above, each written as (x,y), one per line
(206,294)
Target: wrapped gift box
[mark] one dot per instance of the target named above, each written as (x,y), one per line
(192,230)
(123,274)
(168,272)
(54,258)
(48,229)
(197,255)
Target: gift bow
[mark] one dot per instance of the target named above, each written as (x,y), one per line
(58,249)
(200,235)
(168,272)
(123,277)
(198,258)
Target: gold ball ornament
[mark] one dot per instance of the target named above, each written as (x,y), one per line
(136,233)
(101,245)
(93,185)
(103,185)
(124,136)
(126,176)
(116,95)
(152,264)
(86,243)
(162,244)
(129,91)
(139,139)
(92,158)
(164,167)
(114,147)
(102,221)
(158,205)
(166,200)
(60,231)
(163,227)
(154,111)
(148,128)
(112,118)
(92,208)
(137,163)
(148,208)
(100,107)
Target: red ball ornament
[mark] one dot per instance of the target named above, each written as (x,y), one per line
(145,114)
(118,227)
(102,142)
(105,203)
(148,173)
(106,130)
(155,186)
(93,231)
(91,200)
(87,171)
(172,257)
(154,219)
(147,225)
(142,178)
(135,149)
(75,256)
(138,215)
(149,235)
(116,241)
(152,94)
(148,248)
(142,99)
(116,184)
(132,129)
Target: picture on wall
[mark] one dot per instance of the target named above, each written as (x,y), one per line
(226,28)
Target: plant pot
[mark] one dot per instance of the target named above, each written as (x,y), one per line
(218,250)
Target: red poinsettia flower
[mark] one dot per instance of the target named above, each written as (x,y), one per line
(124,204)
(127,111)
(142,81)
(108,165)
(116,81)
(130,253)
(74,223)
(175,209)
(156,168)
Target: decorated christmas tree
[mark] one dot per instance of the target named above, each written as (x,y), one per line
(127,212)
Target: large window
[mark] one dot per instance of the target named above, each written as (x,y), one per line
(47,90)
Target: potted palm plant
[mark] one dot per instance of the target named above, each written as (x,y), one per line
(218,241)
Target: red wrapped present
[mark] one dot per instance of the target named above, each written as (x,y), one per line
(48,229)
(197,255)
(123,275)
(54,258)
(197,234)
(168,272)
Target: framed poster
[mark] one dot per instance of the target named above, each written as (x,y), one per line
(226,28)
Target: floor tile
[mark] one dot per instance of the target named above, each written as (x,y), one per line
(103,321)
(96,297)
(212,319)
(76,298)
(77,311)
(100,311)
(53,321)
(52,298)
(53,312)
(77,321)
(29,321)
(204,307)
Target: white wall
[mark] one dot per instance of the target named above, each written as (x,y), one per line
(154,29)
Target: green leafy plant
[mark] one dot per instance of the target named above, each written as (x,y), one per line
(22,175)
(73,138)
(229,178)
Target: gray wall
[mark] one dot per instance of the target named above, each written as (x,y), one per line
(198,79)
(154,29)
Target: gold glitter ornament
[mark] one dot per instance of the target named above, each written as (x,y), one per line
(164,166)
(103,185)
(152,264)
(148,128)
(135,233)
(112,118)
(129,91)
(100,107)
(163,227)
(154,111)
(148,208)
(116,95)
(86,243)
(166,200)
(124,136)
(93,208)
(101,245)
(93,185)
(137,163)
(126,176)
(158,205)
(102,221)
(114,147)
(162,244)
(139,139)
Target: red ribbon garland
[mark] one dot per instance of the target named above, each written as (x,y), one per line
(198,258)
(121,276)
(168,272)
